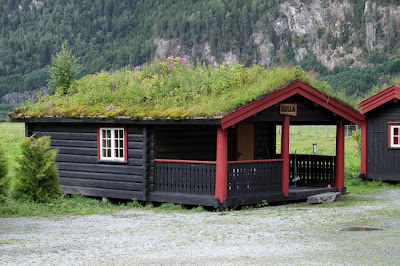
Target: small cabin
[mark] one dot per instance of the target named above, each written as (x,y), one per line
(220,161)
(380,137)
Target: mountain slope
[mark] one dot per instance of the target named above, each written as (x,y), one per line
(328,36)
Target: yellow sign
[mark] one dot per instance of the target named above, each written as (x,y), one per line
(288,109)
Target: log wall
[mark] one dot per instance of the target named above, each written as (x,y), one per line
(383,162)
(81,172)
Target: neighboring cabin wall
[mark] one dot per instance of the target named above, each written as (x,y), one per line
(382,162)
(80,171)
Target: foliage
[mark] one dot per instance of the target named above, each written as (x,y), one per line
(3,173)
(172,88)
(36,174)
(4,110)
(110,34)
(359,82)
(63,70)
(77,205)
(356,135)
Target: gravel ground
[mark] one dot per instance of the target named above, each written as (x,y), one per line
(296,234)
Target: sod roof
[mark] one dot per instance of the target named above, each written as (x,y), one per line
(172,89)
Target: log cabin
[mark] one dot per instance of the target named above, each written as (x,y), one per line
(380,137)
(221,161)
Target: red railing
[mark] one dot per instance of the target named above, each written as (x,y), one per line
(184,161)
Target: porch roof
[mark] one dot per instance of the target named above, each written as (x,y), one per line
(393,92)
(295,88)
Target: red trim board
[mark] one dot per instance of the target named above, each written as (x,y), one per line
(389,134)
(125,141)
(184,161)
(297,87)
(393,92)
(363,168)
(221,178)
(256,161)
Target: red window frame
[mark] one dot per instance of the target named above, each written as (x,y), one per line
(125,160)
(390,135)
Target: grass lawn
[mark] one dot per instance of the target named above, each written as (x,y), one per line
(302,138)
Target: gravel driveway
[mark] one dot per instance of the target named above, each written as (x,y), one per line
(293,234)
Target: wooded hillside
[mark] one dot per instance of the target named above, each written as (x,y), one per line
(110,34)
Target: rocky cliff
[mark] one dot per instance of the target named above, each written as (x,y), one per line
(334,32)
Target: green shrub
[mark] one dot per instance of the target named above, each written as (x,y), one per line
(356,135)
(3,173)
(36,173)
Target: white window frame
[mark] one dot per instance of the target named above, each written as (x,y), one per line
(391,135)
(114,157)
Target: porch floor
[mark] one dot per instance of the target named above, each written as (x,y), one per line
(302,192)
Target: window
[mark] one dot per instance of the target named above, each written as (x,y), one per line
(112,144)
(394,135)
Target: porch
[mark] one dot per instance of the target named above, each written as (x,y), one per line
(248,182)
(237,161)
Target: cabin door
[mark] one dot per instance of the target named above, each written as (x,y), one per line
(245,142)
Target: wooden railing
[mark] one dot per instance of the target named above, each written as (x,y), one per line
(313,170)
(184,176)
(252,177)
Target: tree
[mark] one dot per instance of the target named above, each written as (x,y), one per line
(63,70)
(3,173)
(36,174)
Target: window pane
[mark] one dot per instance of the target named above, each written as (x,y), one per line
(103,133)
(104,153)
(121,143)
(108,143)
(396,131)
(121,153)
(121,134)
(108,152)
(116,143)
(396,140)
(108,133)
(104,143)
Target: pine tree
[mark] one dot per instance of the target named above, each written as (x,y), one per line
(36,174)
(63,70)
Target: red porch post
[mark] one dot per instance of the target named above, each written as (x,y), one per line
(339,165)
(364,149)
(285,155)
(221,181)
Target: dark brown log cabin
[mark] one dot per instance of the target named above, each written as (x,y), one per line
(381,136)
(220,162)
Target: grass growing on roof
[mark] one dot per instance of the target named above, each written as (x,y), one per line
(173,88)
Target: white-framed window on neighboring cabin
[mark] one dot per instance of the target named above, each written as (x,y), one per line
(112,144)
(394,135)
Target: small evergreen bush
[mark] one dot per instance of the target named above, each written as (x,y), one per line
(3,173)
(356,135)
(36,173)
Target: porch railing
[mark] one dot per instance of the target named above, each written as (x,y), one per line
(252,177)
(313,170)
(184,176)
